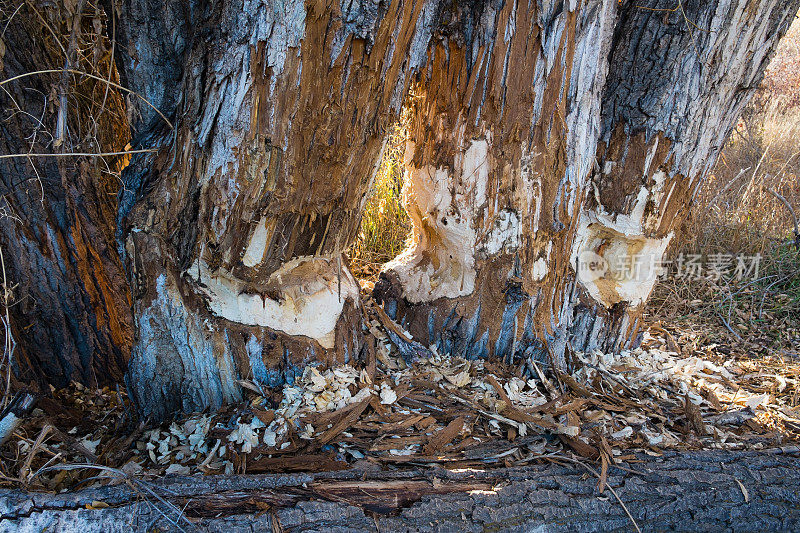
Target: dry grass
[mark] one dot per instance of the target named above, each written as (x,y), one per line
(385,225)
(738,211)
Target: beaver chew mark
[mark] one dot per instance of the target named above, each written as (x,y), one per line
(615,267)
(441,262)
(305,297)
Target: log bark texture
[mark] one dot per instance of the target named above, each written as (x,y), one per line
(694,491)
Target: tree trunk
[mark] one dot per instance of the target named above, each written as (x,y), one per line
(544,137)
(68,299)
(516,188)
(678,81)
(234,231)
(504,135)
(690,491)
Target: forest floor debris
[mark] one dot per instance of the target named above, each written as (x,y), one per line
(670,393)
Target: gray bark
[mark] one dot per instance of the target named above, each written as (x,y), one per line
(271,120)
(692,491)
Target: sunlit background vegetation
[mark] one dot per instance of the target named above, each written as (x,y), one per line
(385,226)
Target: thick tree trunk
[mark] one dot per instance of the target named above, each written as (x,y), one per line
(234,231)
(543,134)
(678,80)
(508,201)
(68,300)
(701,491)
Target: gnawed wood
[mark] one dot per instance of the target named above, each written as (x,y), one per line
(540,135)
(509,214)
(234,231)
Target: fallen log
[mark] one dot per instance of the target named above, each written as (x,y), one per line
(690,491)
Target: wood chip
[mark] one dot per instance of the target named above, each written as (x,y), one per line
(400,426)
(347,420)
(581,448)
(693,417)
(497,387)
(444,437)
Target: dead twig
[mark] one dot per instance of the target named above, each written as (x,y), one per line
(792,212)
(98,78)
(61,120)
(81,154)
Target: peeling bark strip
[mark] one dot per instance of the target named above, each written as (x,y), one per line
(544,135)
(695,491)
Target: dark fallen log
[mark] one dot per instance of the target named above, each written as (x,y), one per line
(693,491)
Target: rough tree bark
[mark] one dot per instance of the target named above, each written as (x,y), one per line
(69,303)
(690,491)
(543,134)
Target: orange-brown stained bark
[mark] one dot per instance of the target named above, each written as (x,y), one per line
(69,305)
(518,166)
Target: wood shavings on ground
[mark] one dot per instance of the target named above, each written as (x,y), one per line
(433,410)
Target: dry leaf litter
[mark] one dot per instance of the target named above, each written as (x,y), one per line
(439,410)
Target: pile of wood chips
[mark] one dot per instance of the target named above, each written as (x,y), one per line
(410,406)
